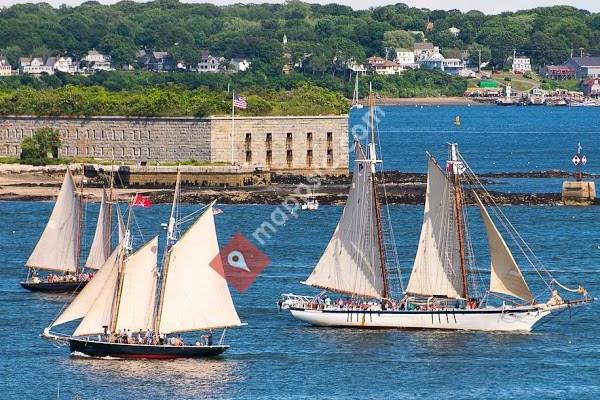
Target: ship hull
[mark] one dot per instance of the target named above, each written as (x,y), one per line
(521,319)
(55,287)
(142,351)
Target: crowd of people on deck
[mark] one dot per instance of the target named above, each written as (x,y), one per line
(65,278)
(126,336)
(354,304)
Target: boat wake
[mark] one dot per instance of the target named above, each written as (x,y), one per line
(78,354)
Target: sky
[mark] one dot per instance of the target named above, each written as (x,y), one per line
(487,6)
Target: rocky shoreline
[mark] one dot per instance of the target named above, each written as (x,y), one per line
(400,188)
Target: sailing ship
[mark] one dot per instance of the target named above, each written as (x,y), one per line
(355,102)
(130,294)
(442,288)
(59,248)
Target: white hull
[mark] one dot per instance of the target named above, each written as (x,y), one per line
(492,319)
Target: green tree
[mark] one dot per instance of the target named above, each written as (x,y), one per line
(42,145)
(398,40)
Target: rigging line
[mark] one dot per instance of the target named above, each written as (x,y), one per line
(509,227)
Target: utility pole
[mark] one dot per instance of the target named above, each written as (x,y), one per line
(581,52)
(571,50)
(479,63)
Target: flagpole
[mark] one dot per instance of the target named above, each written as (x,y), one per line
(232,121)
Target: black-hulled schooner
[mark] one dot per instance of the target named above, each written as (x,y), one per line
(58,251)
(132,309)
(444,290)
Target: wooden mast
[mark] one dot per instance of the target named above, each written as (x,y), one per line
(373,159)
(459,218)
(171,237)
(109,202)
(80,221)
(114,312)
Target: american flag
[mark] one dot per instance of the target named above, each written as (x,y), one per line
(240,102)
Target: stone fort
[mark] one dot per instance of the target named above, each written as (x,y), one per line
(293,145)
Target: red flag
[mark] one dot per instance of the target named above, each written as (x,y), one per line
(141,201)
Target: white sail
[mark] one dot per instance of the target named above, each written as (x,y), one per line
(82,303)
(195,294)
(505,277)
(138,292)
(58,247)
(437,270)
(352,261)
(100,248)
(98,314)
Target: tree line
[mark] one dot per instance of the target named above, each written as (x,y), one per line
(323,37)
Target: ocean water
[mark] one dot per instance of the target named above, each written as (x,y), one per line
(275,356)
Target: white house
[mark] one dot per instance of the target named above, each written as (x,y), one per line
(355,67)
(406,59)
(454,31)
(521,65)
(381,66)
(5,68)
(425,50)
(98,61)
(36,65)
(239,64)
(451,66)
(66,65)
(209,63)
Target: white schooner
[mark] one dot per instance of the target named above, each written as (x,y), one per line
(133,309)
(59,249)
(442,291)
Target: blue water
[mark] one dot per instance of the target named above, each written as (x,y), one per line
(278,357)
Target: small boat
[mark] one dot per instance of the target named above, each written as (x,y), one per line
(58,249)
(355,102)
(443,291)
(130,294)
(457,120)
(311,204)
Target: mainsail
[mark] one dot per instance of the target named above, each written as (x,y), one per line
(352,261)
(58,247)
(505,277)
(100,248)
(195,295)
(136,304)
(436,269)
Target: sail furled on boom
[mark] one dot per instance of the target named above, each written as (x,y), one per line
(100,248)
(505,276)
(58,247)
(82,303)
(195,294)
(437,270)
(351,262)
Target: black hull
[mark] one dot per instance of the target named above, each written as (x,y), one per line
(54,287)
(120,350)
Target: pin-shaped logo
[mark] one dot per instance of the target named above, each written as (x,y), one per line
(240,262)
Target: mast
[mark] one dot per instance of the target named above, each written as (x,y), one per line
(109,202)
(79,223)
(171,239)
(455,171)
(373,160)
(114,312)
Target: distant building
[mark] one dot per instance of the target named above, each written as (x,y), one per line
(97,61)
(5,68)
(66,65)
(558,72)
(37,65)
(590,87)
(157,61)
(451,66)
(239,64)
(381,66)
(454,31)
(209,63)
(433,61)
(425,50)
(406,59)
(355,67)
(585,67)
(521,65)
